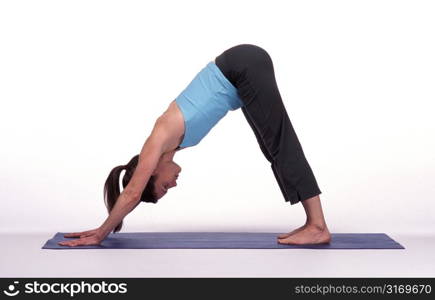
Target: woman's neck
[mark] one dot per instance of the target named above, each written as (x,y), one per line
(168,156)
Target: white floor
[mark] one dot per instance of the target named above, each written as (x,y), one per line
(21,256)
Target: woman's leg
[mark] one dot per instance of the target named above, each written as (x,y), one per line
(257,135)
(250,69)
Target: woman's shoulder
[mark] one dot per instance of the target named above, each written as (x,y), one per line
(170,127)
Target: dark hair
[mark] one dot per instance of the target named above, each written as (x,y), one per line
(112,191)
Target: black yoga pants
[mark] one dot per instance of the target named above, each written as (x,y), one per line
(250,69)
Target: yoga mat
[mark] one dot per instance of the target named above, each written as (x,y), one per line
(225,240)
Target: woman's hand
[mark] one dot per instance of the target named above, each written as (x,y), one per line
(90,237)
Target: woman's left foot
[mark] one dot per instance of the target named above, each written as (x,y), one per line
(311,234)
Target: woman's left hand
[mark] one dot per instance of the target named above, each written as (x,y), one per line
(90,237)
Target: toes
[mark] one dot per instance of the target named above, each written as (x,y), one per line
(283,236)
(282,241)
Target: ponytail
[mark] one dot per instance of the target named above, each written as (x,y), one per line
(112,190)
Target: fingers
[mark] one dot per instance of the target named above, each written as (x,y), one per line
(74,243)
(73,234)
(78,234)
(80,242)
(67,243)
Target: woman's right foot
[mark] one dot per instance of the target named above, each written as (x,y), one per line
(311,234)
(286,235)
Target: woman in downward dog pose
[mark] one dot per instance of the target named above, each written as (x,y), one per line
(240,77)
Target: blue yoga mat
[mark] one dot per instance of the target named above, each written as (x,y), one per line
(225,240)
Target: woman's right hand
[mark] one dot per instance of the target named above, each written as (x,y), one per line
(89,237)
(80,234)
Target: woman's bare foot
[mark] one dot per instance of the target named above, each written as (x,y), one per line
(286,235)
(311,234)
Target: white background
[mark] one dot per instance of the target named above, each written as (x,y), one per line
(82,82)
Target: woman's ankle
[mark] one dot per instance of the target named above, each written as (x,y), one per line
(319,225)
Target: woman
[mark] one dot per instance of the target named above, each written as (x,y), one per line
(240,77)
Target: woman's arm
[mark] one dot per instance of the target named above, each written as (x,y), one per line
(152,150)
(154,147)
(130,196)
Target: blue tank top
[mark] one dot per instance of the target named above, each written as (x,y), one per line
(206,100)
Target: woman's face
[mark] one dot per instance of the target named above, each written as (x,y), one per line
(166,177)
